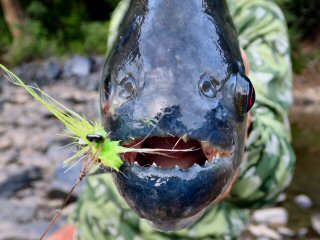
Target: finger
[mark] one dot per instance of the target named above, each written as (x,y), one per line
(245,61)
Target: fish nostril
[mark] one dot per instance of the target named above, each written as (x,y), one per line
(207,86)
(128,88)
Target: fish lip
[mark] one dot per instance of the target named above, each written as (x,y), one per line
(173,198)
(170,198)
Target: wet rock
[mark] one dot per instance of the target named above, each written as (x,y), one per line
(286,232)
(262,231)
(91,82)
(19,179)
(27,231)
(303,201)
(56,153)
(315,223)
(282,197)
(9,156)
(18,136)
(14,211)
(63,181)
(272,216)
(51,69)
(302,232)
(77,66)
(20,97)
(38,72)
(5,143)
(34,158)
(98,62)
(28,72)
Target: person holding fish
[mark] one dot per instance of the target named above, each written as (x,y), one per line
(176,78)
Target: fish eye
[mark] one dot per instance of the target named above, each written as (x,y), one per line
(245,95)
(107,85)
(208,86)
(128,88)
(94,138)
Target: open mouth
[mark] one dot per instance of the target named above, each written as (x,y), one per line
(173,189)
(202,154)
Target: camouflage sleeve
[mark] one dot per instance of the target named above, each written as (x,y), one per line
(268,161)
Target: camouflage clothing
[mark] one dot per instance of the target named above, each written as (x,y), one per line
(268,160)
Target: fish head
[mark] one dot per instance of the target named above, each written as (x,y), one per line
(175,80)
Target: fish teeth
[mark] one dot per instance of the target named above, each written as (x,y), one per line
(207,163)
(208,150)
(153,165)
(176,167)
(135,164)
(185,138)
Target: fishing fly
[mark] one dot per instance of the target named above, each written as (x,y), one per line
(94,145)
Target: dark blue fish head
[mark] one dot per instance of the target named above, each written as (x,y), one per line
(175,79)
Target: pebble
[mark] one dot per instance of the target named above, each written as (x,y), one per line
(77,66)
(262,231)
(51,69)
(272,216)
(284,231)
(56,153)
(14,211)
(303,201)
(282,197)
(20,179)
(26,231)
(7,157)
(315,223)
(5,143)
(63,182)
(302,232)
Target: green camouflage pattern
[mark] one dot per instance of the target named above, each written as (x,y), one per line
(268,162)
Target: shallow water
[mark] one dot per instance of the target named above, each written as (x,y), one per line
(306,142)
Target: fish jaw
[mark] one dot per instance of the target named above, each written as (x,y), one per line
(171,198)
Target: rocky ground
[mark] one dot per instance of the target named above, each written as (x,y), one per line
(32,181)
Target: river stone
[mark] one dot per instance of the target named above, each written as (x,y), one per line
(19,179)
(273,216)
(302,232)
(262,231)
(284,231)
(63,181)
(282,197)
(7,157)
(5,143)
(51,69)
(14,211)
(303,201)
(28,231)
(315,223)
(77,66)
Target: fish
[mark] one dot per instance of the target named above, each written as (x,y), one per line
(175,79)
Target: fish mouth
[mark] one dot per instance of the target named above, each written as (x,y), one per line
(172,191)
(201,152)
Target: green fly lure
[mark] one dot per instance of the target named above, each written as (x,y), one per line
(90,135)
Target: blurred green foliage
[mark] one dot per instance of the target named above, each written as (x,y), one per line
(303,21)
(58,27)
